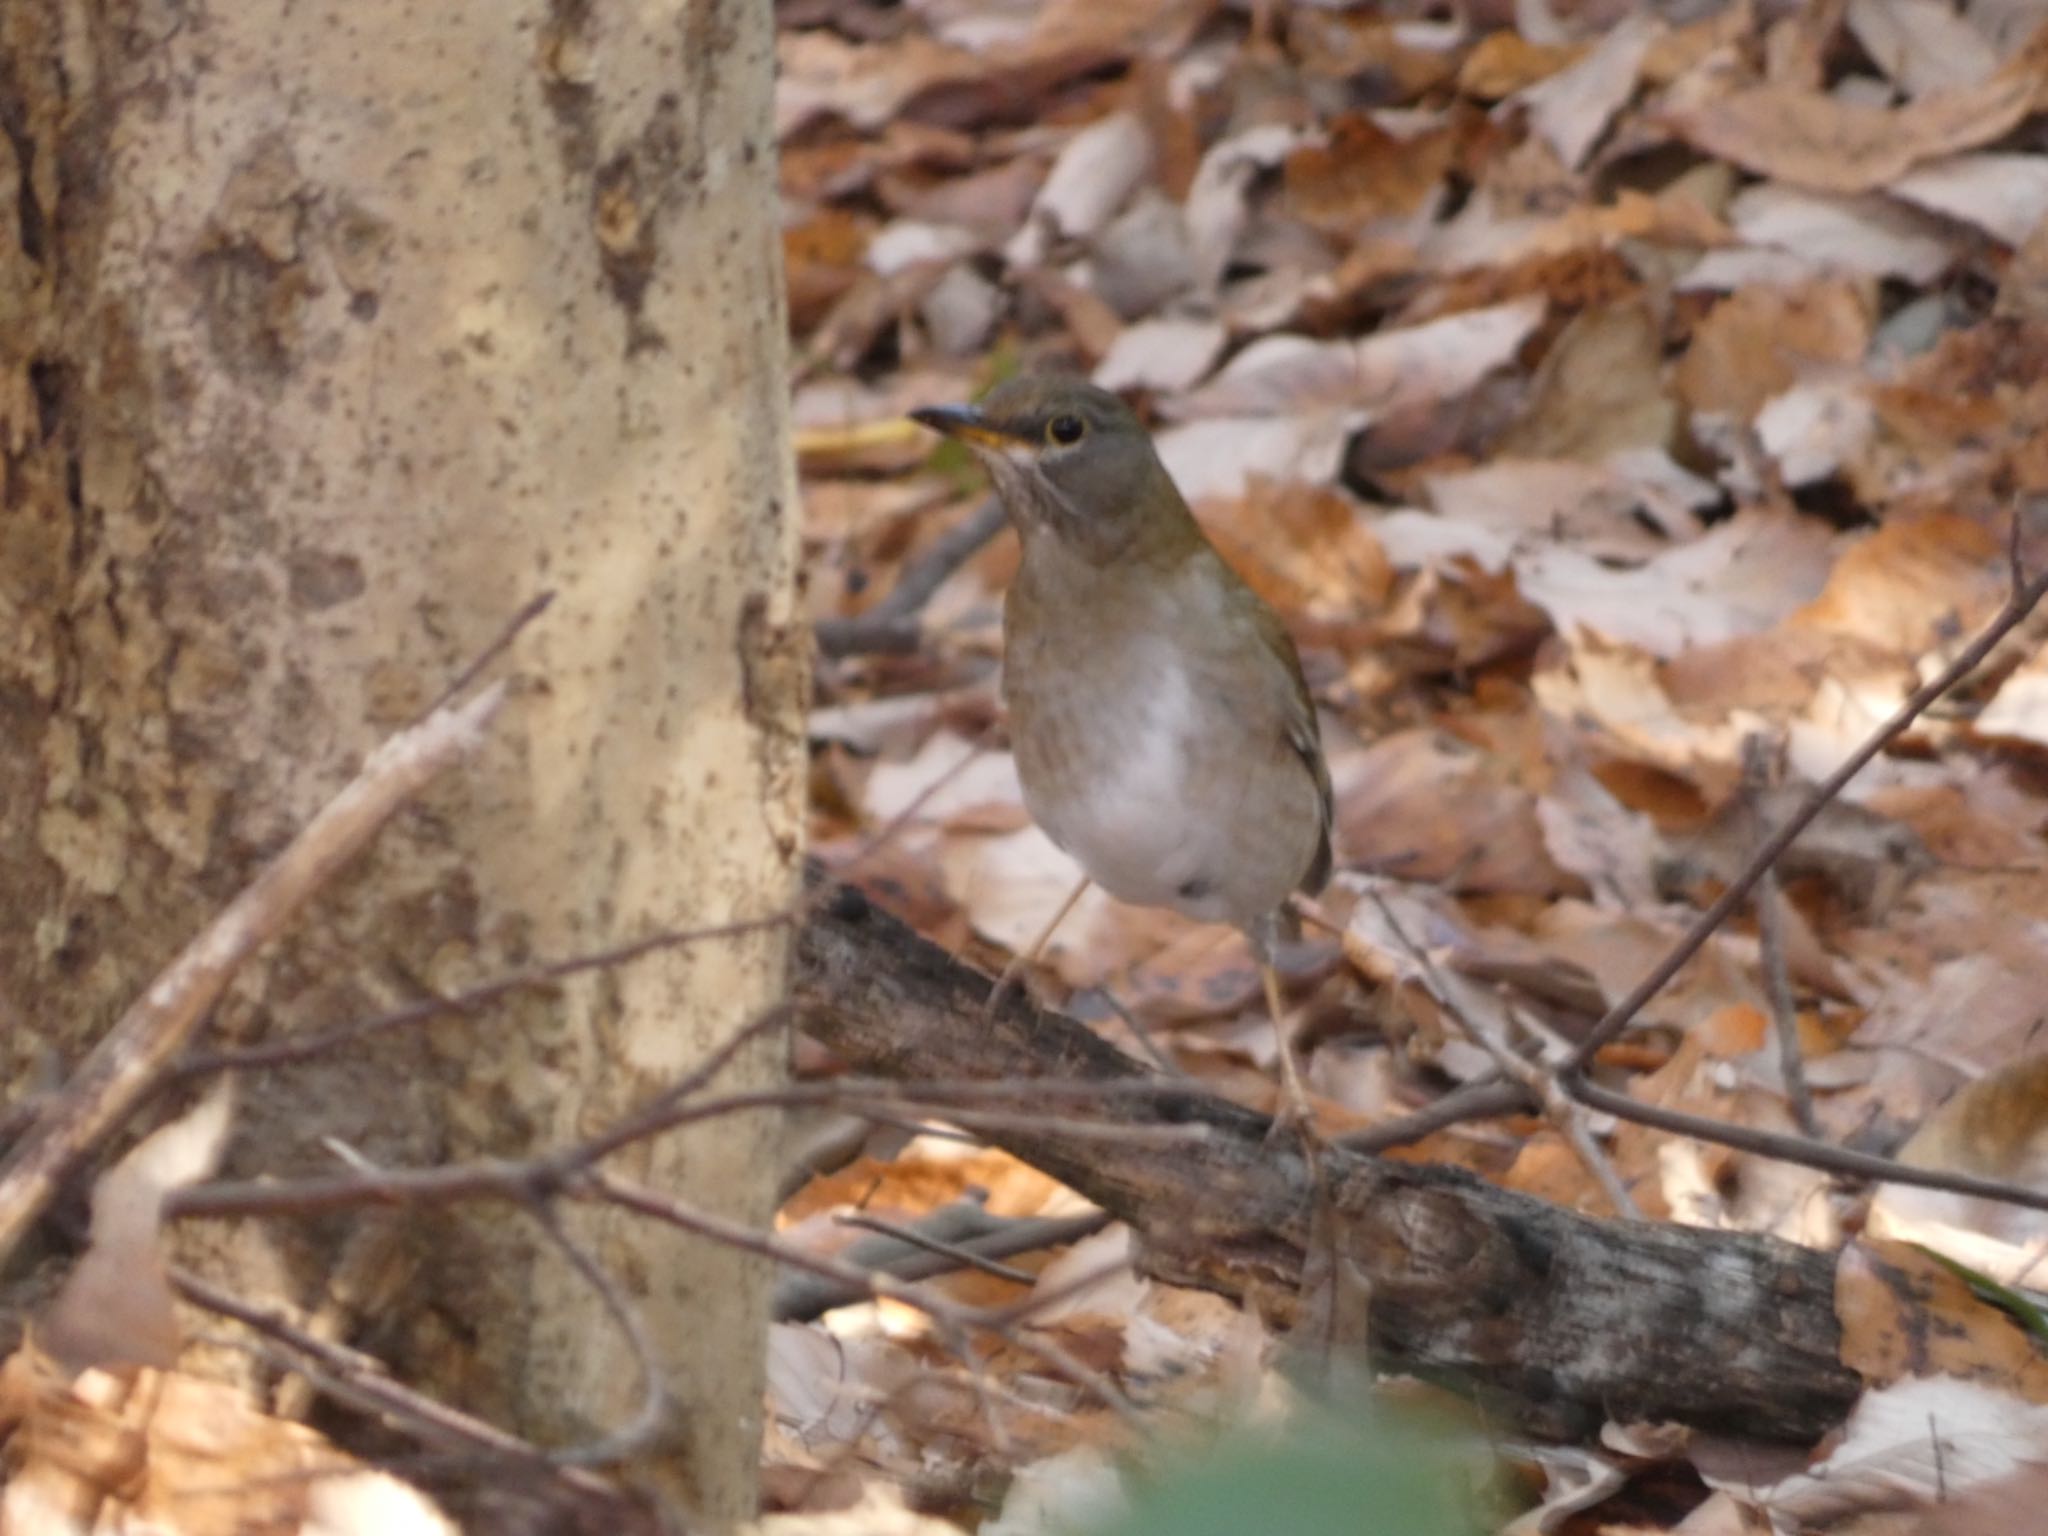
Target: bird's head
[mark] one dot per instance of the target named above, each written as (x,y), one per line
(1070,460)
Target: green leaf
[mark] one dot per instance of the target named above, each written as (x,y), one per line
(1367,1473)
(2022,1307)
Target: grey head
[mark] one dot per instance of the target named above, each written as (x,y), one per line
(1069,460)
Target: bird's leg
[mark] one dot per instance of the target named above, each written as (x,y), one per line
(1309,912)
(1293,1112)
(1030,956)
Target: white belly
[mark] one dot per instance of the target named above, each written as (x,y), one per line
(1106,774)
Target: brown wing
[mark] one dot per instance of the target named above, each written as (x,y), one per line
(1309,748)
(1305,739)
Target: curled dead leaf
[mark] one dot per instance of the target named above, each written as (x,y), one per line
(1830,144)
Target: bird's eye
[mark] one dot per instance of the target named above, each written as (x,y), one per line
(1065,430)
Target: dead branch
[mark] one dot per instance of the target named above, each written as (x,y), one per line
(1562,1320)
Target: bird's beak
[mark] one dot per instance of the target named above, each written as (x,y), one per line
(966,423)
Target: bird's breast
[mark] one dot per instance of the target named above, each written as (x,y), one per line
(1151,736)
(1109,750)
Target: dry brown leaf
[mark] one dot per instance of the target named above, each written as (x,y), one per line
(1909,1449)
(1996,1128)
(1605,511)
(1567,245)
(1599,389)
(1405,61)
(1097,171)
(2006,196)
(930,1172)
(1361,173)
(1505,62)
(162,1454)
(1923,45)
(1455,614)
(1590,833)
(819,73)
(1759,342)
(1739,576)
(822,166)
(878,1511)
(1171,354)
(822,255)
(1437,360)
(1913,584)
(1203,970)
(1222,457)
(115,1307)
(1904,1314)
(1422,805)
(1308,550)
(1987,822)
(1817,233)
(1093,324)
(2020,707)
(1817,141)
(1217,208)
(1022,54)
(1773,675)
(1572,108)
(990,203)
(1547,1168)
(1954,975)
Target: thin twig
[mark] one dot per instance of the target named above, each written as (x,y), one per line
(817,1295)
(548,1173)
(133,1056)
(534,608)
(962,1257)
(984,1250)
(1805,1153)
(293,1049)
(1770,927)
(348,1374)
(1759,762)
(1485,1099)
(1558,1108)
(657,1408)
(732,1234)
(1160,1058)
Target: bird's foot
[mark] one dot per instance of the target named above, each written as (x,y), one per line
(1293,1115)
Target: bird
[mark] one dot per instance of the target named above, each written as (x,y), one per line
(1163,732)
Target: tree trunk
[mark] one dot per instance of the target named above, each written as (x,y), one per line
(330,333)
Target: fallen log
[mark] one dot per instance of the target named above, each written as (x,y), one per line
(1556,1319)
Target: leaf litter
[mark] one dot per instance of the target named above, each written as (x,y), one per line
(1591,389)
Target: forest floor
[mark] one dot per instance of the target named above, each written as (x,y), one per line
(1627,408)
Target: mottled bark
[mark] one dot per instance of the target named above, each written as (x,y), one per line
(329,334)
(1557,1320)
